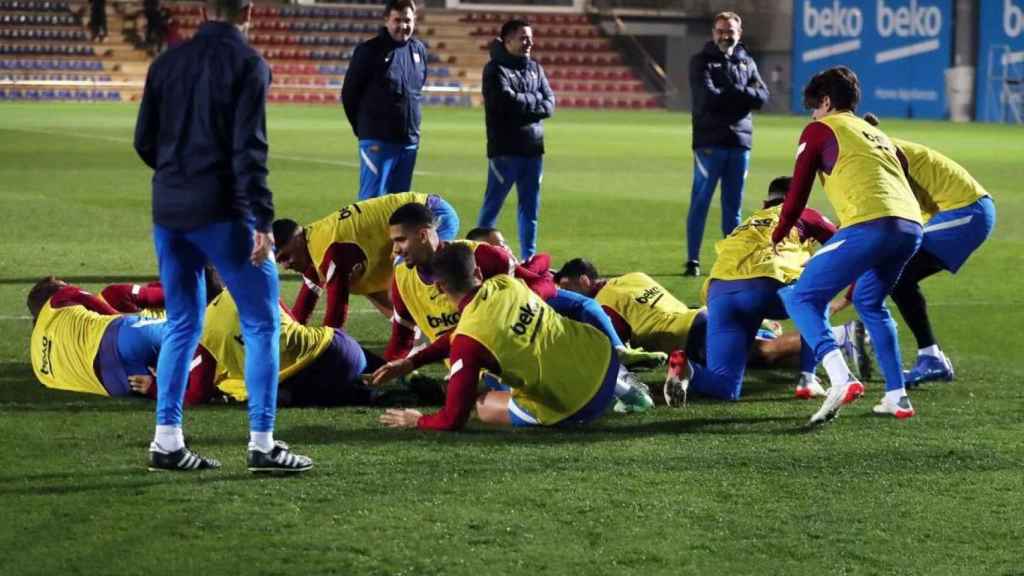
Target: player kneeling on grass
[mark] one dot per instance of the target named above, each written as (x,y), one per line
(959,216)
(742,290)
(560,371)
(80,343)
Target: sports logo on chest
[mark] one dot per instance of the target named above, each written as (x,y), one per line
(444,319)
(47,363)
(527,314)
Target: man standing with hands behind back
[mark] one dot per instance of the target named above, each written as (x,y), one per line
(202,129)
(517,98)
(382,93)
(725,86)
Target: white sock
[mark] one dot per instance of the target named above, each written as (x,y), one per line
(932,350)
(262,441)
(893,396)
(807,376)
(169,438)
(621,385)
(839,333)
(835,365)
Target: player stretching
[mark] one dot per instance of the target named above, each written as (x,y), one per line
(880,229)
(561,372)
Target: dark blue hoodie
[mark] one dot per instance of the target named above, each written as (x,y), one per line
(383,89)
(516,98)
(725,89)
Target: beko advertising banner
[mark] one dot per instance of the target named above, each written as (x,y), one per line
(900,50)
(1000,76)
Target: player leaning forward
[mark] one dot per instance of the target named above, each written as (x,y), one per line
(560,371)
(880,229)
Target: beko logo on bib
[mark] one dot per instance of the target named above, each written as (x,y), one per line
(911,20)
(1013,19)
(832,21)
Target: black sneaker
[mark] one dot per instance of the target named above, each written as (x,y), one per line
(183,460)
(692,268)
(280,459)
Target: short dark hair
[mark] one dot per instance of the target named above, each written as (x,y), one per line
(511,27)
(575,268)
(40,293)
(777,190)
(871,119)
(283,230)
(454,264)
(480,233)
(413,215)
(230,9)
(398,6)
(839,83)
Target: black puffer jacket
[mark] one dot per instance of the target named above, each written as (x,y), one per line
(725,89)
(517,97)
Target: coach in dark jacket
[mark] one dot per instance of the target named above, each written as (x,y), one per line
(726,87)
(202,129)
(382,94)
(517,98)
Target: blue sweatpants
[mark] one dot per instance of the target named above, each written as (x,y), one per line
(526,172)
(446,216)
(735,311)
(873,254)
(580,308)
(181,256)
(385,167)
(709,166)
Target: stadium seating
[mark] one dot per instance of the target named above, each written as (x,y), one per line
(45,53)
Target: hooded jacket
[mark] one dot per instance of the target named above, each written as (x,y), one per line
(383,89)
(517,97)
(725,89)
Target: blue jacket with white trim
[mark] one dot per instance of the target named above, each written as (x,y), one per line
(725,89)
(383,89)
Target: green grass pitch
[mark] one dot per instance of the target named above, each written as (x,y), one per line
(711,489)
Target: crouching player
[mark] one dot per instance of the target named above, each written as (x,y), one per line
(742,290)
(561,372)
(350,252)
(959,216)
(80,343)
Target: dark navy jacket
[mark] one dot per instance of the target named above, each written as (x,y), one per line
(202,128)
(725,90)
(383,89)
(517,97)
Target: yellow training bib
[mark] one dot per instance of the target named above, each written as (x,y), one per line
(364,224)
(64,344)
(429,308)
(554,365)
(939,183)
(658,320)
(867,181)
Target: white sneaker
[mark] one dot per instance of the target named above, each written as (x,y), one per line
(837,397)
(809,387)
(900,409)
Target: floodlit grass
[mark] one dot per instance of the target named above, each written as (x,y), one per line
(712,489)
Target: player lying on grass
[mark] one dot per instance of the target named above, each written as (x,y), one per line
(80,343)
(560,372)
(318,366)
(539,263)
(880,230)
(350,252)
(645,313)
(419,304)
(959,216)
(742,290)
